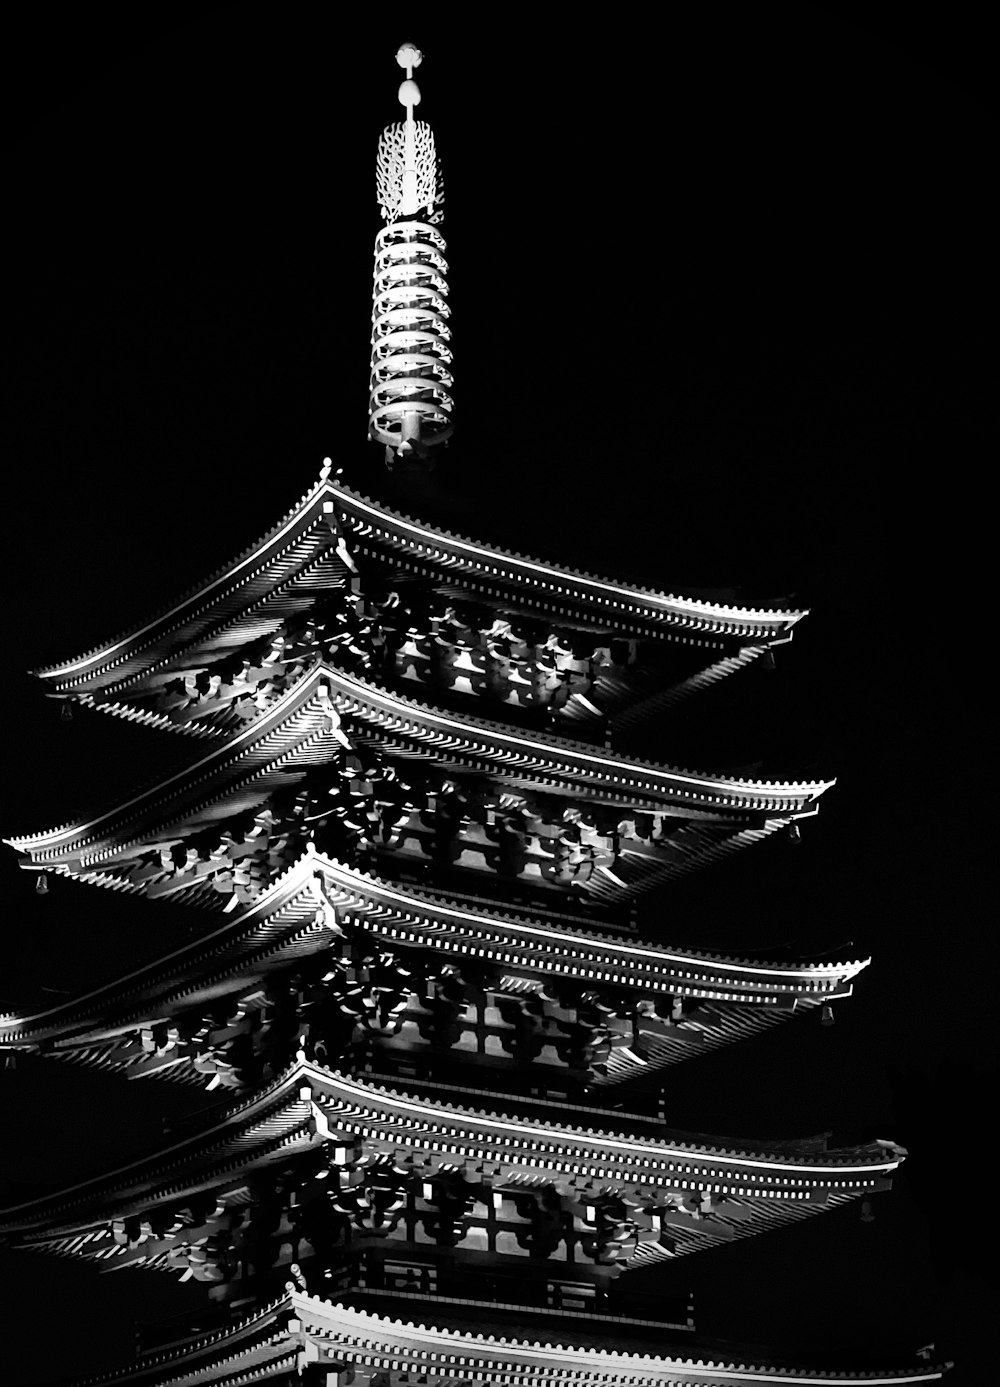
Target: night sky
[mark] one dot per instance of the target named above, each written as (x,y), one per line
(723,310)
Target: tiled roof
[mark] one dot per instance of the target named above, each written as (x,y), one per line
(399,913)
(296,731)
(308,1104)
(307,532)
(282,1338)
(549,582)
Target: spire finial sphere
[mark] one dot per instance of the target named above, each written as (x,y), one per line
(409,56)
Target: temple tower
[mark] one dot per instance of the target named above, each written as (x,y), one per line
(413,865)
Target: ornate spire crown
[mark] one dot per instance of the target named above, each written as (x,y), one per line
(409,405)
(407,171)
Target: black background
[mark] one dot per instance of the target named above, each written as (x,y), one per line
(723,308)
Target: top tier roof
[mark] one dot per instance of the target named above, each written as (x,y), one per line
(306,552)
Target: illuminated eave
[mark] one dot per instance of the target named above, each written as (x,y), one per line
(307,533)
(281,1339)
(423,1343)
(304,536)
(297,723)
(425,543)
(309,1105)
(284,918)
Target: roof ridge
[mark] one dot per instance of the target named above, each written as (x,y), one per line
(558,742)
(225,751)
(269,1101)
(828,1157)
(507,917)
(515,556)
(306,1303)
(257,731)
(290,885)
(186,594)
(338,489)
(301,1305)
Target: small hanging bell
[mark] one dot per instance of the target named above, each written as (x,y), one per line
(826,1016)
(67,712)
(42,885)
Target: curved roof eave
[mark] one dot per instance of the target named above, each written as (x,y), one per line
(295,1100)
(356,1326)
(325,685)
(434,546)
(269,1342)
(559,581)
(198,599)
(302,878)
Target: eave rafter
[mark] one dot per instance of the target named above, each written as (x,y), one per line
(303,728)
(313,533)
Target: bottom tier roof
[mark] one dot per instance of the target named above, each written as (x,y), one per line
(302,1339)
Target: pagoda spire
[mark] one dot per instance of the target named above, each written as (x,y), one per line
(409,405)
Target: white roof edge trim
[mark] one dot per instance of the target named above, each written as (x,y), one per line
(685,606)
(258,729)
(311,1306)
(617,1143)
(277,888)
(690,605)
(815,970)
(296,878)
(59,671)
(300,1070)
(472,724)
(470,728)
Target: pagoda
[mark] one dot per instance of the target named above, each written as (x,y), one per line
(411,862)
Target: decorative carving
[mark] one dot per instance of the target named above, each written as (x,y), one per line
(359,808)
(339,1184)
(354,993)
(547,1223)
(392,164)
(373,1196)
(615,1232)
(523,663)
(244,683)
(446,1204)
